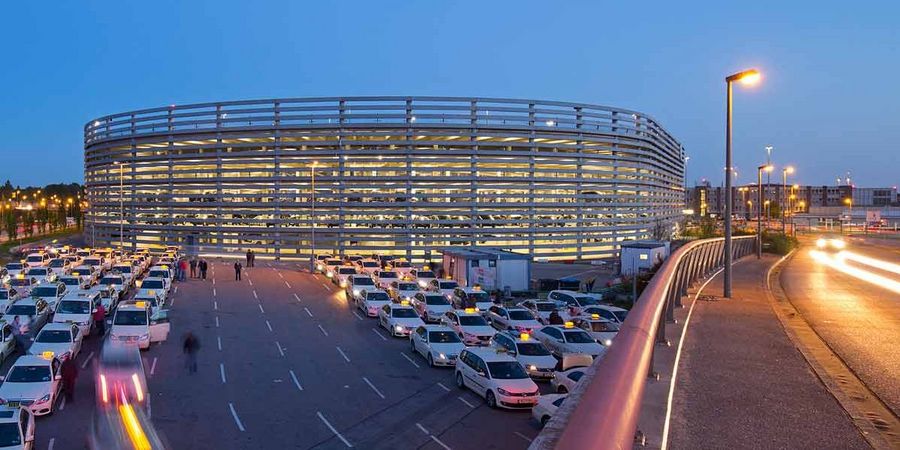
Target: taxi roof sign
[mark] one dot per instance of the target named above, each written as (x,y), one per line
(471,310)
(524,336)
(140,304)
(595,316)
(47,355)
(569,325)
(404,302)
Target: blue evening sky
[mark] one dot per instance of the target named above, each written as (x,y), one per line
(828,102)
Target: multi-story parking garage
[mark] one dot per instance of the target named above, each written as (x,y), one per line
(396,175)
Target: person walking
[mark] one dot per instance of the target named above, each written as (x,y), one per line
(177,270)
(590,284)
(252,258)
(555,318)
(184,268)
(203,267)
(190,347)
(17,334)
(69,372)
(237,270)
(249,258)
(100,319)
(193,268)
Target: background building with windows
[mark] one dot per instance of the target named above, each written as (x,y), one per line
(397,175)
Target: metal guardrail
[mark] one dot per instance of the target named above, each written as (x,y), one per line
(609,405)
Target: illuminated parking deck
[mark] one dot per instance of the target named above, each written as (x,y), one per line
(395,175)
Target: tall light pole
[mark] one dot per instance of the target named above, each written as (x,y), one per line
(747,77)
(849,202)
(312,258)
(784,173)
(121,204)
(769,149)
(759,207)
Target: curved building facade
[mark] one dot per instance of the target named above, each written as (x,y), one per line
(396,175)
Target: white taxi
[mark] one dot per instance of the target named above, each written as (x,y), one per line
(439,345)
(535,358)
(402,267)
(7,342)
(546,407)
(370,302)
(51,293)
(497,377)
(155,285)
(127,271)
(602,330)
(470,326)
(469,297)
(59,266)
(62,339)
(37,259)
(8,296)
(117,282)
(562,339)
(342,276)
(368,266)
(399,319)
(612,313)
(33,314)
(134,325)
(443,287)
(73,283)
(384,278)
(41,274)
(33,382)
(519,320)
(14,268)
(161,272)
(422,276)
(403,290)
(16,428)
(87,274)
(77,308)
(431,305)
(108,297)
(356,284)
(331,267)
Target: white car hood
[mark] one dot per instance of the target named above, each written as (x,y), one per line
(448,349)
(438,309)
(74,318)
(541,362)
(591,348)
(129,330)
(531,324)
(486,330)
(517,386)
(375,303)
(484,306)
(24,391)
(407,322)
(39,347)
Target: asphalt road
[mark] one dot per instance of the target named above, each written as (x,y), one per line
(859,320)
(285,363)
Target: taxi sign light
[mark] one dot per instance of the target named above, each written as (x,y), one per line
(471,310)
(569,325)
(404,302)
(47,355)
(143,304)
(595,316)
(524,336)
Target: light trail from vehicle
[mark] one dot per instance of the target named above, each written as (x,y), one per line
(873,262)
(840,264)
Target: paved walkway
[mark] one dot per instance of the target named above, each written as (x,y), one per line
(741,382)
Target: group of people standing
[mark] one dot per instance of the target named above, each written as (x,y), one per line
(198,267)
(251,262)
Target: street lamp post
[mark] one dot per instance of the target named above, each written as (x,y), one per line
(784,173)
(759,199)
(849,202)
(746,77)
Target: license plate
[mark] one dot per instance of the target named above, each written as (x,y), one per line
(13,404)
(525,401)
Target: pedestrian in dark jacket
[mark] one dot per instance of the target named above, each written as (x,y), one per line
(203,267)
(190,347)
(69,372)
(237,270)
(555,318)
(249,258)
(252,258)
(193,268)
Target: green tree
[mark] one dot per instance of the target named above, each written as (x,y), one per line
(12,224)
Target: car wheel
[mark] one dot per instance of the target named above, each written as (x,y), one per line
(544,421)
(491,399)
(459,381)
(430,360)
(562,390)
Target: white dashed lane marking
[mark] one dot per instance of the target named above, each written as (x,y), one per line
(323,330)
(373,387)
(219,342)
(269,325)
(444,387)
(375,330)
(261,308)
(466,402)
(222,372)
(308,311)
(343,354)
(296,381)
(357,315)
(333,430)
(280,349)
(409,359)
(236,419)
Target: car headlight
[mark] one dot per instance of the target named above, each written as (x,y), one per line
(343,284)
(607,342)
(821,243)
(422,283)
(144,337)
(532,367)
(442,356)
(319,267)
(44,399)
(503,391)
(356,292)
(398,328)
(329,274)
(838,244)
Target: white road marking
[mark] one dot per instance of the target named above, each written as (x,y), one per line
(298,298)
(51,443)
(261,308)
(214,292)
(280,350)
(214,281)
(86,360)
(422,428)
(528,439)
(373,387)
(269,325)
(217,321)
(409,359)
(254,295)
(236,419)
(62,404)
(280,275)
(343,354)
(216,305)
(287,284)
(307,311)
(296,381)
(357,315)
(326,286)
(444,387)
(175,291)
(466,402)
(250,281)
(153,366)
(219,342)
(375,330)
(438,441)
(222,372)
(333,430)
(323,330)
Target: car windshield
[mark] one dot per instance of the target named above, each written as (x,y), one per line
(57,262)
(603,326)
(436,300)
(130,318)
(334,262)
(401,264)
(370,264)
(9,435)
(449,285)
(54,336)
(21,310)
(586,301)
(405,313)
(472,321)
(14,266)
(621,315)
(152,284)
(578,337)
(378,297)
(4,294)
(92,261)
(28,374)
(36,258)
(479,297)
(37,272)
(425,274)
(387,275)
(443,337)
(110,280)
(507,370)
(532,349)
(123,269)
(408,287)
(518,314)
(20,282)
(69,281)
(159,273)
(346,271)
(73,307)
(44,291)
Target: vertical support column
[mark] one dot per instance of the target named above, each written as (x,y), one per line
(278,242)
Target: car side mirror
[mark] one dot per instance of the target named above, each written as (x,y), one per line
(2,377)
(561,341)
(57,377)
(482,374)
(94,310)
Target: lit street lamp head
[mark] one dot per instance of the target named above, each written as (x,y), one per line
(788,170)
(747,77)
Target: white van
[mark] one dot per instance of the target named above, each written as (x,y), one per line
(133,324)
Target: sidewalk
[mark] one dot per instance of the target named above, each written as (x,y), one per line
(741,382)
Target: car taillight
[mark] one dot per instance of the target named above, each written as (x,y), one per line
(104,393)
